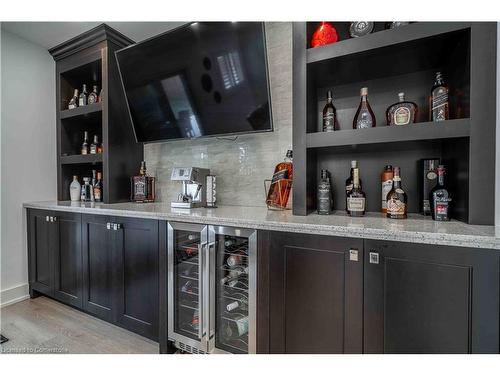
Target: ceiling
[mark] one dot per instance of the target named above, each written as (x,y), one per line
(50,34)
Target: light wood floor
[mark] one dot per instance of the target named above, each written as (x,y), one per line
(42,325)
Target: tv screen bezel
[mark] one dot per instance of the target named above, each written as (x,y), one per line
(221,135)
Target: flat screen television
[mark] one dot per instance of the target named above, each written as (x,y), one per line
(201,79)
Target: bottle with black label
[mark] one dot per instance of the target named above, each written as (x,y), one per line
(440,107)
(397,201)
(440,198)
(427,179)
(349,181)
(324,194)
(356,199)
(329,114)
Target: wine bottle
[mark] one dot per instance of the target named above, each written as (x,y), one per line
(239,301)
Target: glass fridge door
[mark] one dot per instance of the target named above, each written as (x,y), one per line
(232,254)
(186,260)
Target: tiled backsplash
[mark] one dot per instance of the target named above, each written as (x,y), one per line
(241,165)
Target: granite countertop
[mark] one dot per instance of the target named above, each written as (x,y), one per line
(416,228)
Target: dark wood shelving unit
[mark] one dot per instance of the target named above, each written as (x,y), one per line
(387,134)
(90,59)
(80,111)
(403,59)
(81,159)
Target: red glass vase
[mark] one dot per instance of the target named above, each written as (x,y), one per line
(324,34)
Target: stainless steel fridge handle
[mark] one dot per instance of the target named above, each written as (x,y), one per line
(211,286)
(201,318)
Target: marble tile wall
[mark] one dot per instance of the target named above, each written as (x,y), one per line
(240,165)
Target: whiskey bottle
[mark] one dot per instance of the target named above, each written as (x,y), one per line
(93,96)
(73,103)
(356,199)
(281,183)
(402,112)
(386,180)
(82,99)
(94,147)
(427,180)
(98,188)
(440,198)
(364,117)
(440,106)
(85,145)
(142,186)
(87,194)
(329,114)
(349,181)
(397,201)
(324,194)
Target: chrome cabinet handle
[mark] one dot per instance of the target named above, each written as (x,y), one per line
(108,226)
(374,257)
(47,218)
(201,317)
(117,226)
(54,219)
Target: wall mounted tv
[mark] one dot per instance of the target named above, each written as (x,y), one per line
(201,79)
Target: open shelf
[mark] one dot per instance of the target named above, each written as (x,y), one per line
(380,39)
(81,111)
(81,159)
(386,134)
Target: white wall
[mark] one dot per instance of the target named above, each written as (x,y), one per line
(28,151)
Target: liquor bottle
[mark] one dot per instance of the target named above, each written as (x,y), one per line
(93,182)
(386,180)
(85,145)
(82,99)
(238,302)
(87,193)
(75,190)
(356,199)
(73,103)
(98,188)
(397,201)
(440,198)
(142,186)
(329,114)
(229,242)
(440,107)
(99,98)
(94,147)
(233,329)
(349,181)
(427,180)
(281,183)
(324,34)
(93,96)
(402,112)
(364,117)
(324,194)
(360,28)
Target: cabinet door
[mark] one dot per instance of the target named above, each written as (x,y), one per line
(136,265)
(98,266)
(68,270)
(41,270)
(430,299)
(315,294)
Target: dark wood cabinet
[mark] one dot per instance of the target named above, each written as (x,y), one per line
(67,258)
(98,265)
(136,266)
(121,271)
(104,265)
(40,251)
(315,294)
(430,299)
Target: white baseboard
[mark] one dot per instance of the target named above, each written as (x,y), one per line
(17,294)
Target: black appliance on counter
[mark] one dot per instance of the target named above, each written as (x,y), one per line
(201,79)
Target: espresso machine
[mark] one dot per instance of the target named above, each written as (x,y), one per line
(194,189)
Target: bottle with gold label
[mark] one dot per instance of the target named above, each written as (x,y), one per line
(402,112)
(356,198)
(386,180)
(397,201)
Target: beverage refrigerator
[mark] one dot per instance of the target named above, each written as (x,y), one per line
(211,288)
